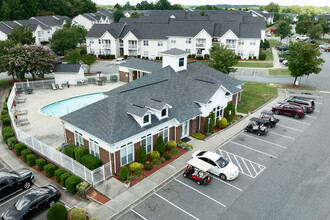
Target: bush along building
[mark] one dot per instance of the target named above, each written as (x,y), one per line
(174,101)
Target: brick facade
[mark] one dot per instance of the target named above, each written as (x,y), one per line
(104,156)
(203,124)
(117,153)
(136,148)
(134,75)
(234,99)
(154,140)
(69,137)
(193,126)
(178,133)
(123,76)
(86,145)
(171,133)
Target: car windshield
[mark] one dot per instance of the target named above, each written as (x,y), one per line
(222,162)
(14,174)
(22,204)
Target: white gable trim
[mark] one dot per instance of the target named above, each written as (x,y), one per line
(203,30)
(128,33)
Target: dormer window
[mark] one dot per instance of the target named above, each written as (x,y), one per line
(164,113)
(146,119)
(181,62)
(227,94)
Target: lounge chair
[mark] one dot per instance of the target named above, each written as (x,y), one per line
(21,112)
(21,121)
(60,86)
(54,86)
(20,100)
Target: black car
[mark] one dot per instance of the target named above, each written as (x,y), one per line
(32,203)
(11,182)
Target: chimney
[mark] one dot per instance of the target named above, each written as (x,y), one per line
(175,58)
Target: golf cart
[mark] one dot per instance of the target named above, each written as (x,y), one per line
(197,171)
(268,115)
(257,126)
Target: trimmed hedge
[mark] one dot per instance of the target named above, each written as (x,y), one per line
(175,151)
(11,142)
(90,161)
(160,145)
(148,166)
(24,153)
(57,212)
(171,144)
(5,119)
(79,152)
(167,157)
(4,112)
(154,154)
(58,174)
(6,130)
(262,56)
(155,161)
(71,184)
(141,155)
(6,136)
(49,170)
(40,164)
(123,173)
(199,136)
(81,187)
(199,57)
(223,122)
(63,178)
(162,160)
(18,148)
(69,150)
(31,159)
(185,146)
(5,107)
(78,214)
(135,166)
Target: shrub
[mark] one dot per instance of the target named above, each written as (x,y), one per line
(123,173)
(93,219)
(167,157)
(91,80)
(125,56)
(141,155)
(63,178)
(5,107)
(78,214)
(81,188)
(162,160)
(230,112)
(18,148)
(223,122)
(199,57)
(58,174)
(90,161)
(207,56)
(171,144)
(262,56)
(69,150)
(193,56)
(40,164)
(138,56)
(31,159)
(154,154)
(249,57)
(79,152)
(6,136)
(6,99)
(199,136)
(138,173)
(11,142)
(71,184)
(209,128)
(24,153)
(175,152)
(155,161)
(254,57)
(57,212)
(148,166)
(10,88)
(113,78)
(104,79)
(239,57)
(6,130)
(185,146)
(160,145)
(4,112)
(49,170)
(135,166)
(5,119)
(218,123)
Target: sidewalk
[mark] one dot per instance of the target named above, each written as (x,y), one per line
(127,198)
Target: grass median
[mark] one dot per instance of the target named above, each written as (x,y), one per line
(279,72)
(254,64)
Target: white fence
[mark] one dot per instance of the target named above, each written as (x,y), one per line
(91,176)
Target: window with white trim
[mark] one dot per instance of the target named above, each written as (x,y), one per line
(99,41)
(146,141)
(145,43)
(218,112)
(100,51)
(251,53)
(91,41)
(94,148)
(188,40)
(160,43)
(240,42)
(146,119)
(164,133)
(126,154)
(78,139)
(92,50)
(240,53)
(163,113)
(181,62)
(188,51)
(252,42)
(173,41)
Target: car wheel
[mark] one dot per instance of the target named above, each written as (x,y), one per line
(184,175)
(51,203)
(198,182)
(258,133)
(27,185)
(223,176)
(296,116)
(277,112)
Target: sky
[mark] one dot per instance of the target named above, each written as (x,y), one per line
(321,3)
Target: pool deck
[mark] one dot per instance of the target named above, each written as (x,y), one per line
(49,129)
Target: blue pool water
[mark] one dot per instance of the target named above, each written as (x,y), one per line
(66,106)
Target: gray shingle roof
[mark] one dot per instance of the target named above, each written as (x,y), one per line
(33,24)
(110,121)
(98,30)
(52,21)
(5,29)
(142,64)
(66,68)
(175,51)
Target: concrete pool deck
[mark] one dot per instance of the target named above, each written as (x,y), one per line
(49,129)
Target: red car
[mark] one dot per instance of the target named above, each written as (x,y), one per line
(294,110)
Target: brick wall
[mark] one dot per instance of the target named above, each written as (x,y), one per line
(136,148)
(234,99)
(112,164)
(123,77)
(86,144)
(193,126)
(171,130)
(154,140)
(178,133)
(203,124)
(239,96)
(104,156)
(69,136)
(134,75)
(118,161)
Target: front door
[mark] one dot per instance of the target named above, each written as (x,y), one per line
(185,129)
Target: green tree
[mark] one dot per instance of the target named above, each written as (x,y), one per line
(302,27)
(89,60)
(118,7)
(63,39)
(16,11)
(136,15)
(209,127)
(117,15)
(163,5)
(316,31)
(128,6)
(5,45)
(4,11)
(283,29)
(145,5)
(22,35)
(304,59)
(222,59)
(81,33)
(141,155)
(325,25)
(73,56)
(272,7)
(160,145)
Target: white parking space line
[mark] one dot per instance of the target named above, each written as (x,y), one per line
(13,197)
(316,111)
(290,128)
(171,166)
(220,180)
(295,120)
(176,206)
(310,116)
(201,193)
(265,141)
(253,149)
(281,135)
(138,214)
(246,163)
(318,103)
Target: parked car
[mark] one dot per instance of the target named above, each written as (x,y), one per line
(268,115)
(197,171)
(301,37)
(32,203)
(221,167)
(257,126)
(120,61)
(327,48)
(323,45)
(284,53)
(309,104)
(285,62)
(289,109)
(312,41)
(282,48)
(11,182)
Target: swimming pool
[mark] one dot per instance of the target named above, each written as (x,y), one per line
(66,106)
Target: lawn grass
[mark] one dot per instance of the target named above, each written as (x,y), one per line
(6,83)
(254,64)
(325,40)
(279,72)
(254,95)
(269,54)
(273,43)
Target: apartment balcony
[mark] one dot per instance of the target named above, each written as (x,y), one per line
(121,44)
(106,45)
(200,44)
(231,46)
(132,46)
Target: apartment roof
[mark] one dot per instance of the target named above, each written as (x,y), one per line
(98,30)
(33,24)
(142,64)
(112,119)
(5,29)
(175,51)
(66,68)
(56,20)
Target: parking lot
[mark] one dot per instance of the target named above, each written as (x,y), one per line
(184,199)
(250,72)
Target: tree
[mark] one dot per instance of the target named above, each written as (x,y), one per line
(81,33)
(283,29)
(22,35)
(325,25)
(63,39)
(222,59)
(89,60)
(304,59)
(136,15)
(160,145)
(4,11)
(209,127)
(5,45)
(163,5)
(302,27)
(141,155)
(128,6)
(117,15)
(73,56)
(272,7)
(118,7)
(316,31)
(145,5)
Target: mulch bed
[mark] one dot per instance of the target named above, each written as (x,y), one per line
(155,168)
(193,59)
(90,74)
(99,197)
(292,86)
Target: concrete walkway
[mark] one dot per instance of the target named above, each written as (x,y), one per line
(127,198)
